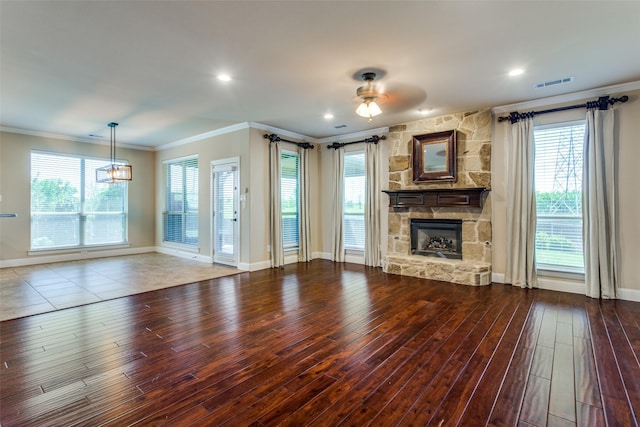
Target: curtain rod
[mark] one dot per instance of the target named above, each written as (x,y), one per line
(374,139)
(601,103)
(275,138)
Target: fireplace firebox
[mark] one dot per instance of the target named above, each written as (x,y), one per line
(437,237)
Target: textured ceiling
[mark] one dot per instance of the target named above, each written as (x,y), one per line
(71,67)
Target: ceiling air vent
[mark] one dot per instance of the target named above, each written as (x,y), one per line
(553,82)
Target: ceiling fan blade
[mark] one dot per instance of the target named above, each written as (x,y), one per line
(400,97)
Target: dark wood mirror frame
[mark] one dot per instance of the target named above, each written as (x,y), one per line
(434,157)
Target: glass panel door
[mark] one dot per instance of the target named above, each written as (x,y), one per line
(225,213)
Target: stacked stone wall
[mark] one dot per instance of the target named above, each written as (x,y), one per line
(473,169)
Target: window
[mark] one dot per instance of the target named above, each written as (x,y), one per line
(69,209)
(558,187)
(289,199)
(354,194)
(180,224)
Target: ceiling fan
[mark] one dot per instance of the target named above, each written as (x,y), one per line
(369,94)
(392,97)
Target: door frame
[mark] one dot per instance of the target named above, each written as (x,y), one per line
(235,161)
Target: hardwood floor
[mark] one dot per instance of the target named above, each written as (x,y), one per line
(325,344)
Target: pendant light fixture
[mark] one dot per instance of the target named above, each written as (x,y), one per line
(113,172)
(369,94)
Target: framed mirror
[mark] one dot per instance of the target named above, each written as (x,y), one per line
(434,157)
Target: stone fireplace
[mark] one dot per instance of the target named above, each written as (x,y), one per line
(436,237)
(412,203)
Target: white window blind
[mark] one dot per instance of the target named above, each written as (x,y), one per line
(558,187)
(69,209)
(180,223)
(289,199)
(354,195)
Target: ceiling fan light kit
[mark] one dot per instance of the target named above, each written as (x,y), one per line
(368,109)
(369,93)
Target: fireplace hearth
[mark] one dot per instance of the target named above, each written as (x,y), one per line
(437,237)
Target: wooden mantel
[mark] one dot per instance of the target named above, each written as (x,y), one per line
(437,197)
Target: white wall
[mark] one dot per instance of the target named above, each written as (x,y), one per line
(628,177)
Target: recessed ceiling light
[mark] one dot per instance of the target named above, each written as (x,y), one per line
(328,116)
(224,77)
(516,72)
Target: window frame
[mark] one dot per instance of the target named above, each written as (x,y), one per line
(82,212)
(555,270)
(292,246)
(347,245)
(183,242)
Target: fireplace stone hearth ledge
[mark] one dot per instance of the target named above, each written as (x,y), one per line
(449,270)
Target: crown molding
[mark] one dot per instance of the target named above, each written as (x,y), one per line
(568,97)
(282,132)
(355,135)
(272,129)
(200,137)
(205,135)
(51,135)
(235,128)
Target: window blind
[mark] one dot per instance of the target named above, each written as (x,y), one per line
(289,199)
(354,200)
(558,188)
(69,209)
(180,223)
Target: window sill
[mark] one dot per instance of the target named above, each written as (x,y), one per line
(569,276)
(77,249)
(354,251)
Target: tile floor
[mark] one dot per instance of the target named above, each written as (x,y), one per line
(35,289)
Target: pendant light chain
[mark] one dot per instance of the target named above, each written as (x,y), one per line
(113,125)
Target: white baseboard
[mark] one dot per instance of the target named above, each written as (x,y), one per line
(355,259)
(629,294)
(245,266)
(78,255)
(572,286)
(497,277)
(321,255)
(168,250)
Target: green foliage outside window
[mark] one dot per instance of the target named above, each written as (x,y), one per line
(54,195)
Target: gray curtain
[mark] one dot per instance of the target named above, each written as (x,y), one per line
(337,243)
(521,207)
(275,206)
(372,254)
(598,205)
(304,231)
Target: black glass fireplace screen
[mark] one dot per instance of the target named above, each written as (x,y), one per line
(437,237)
